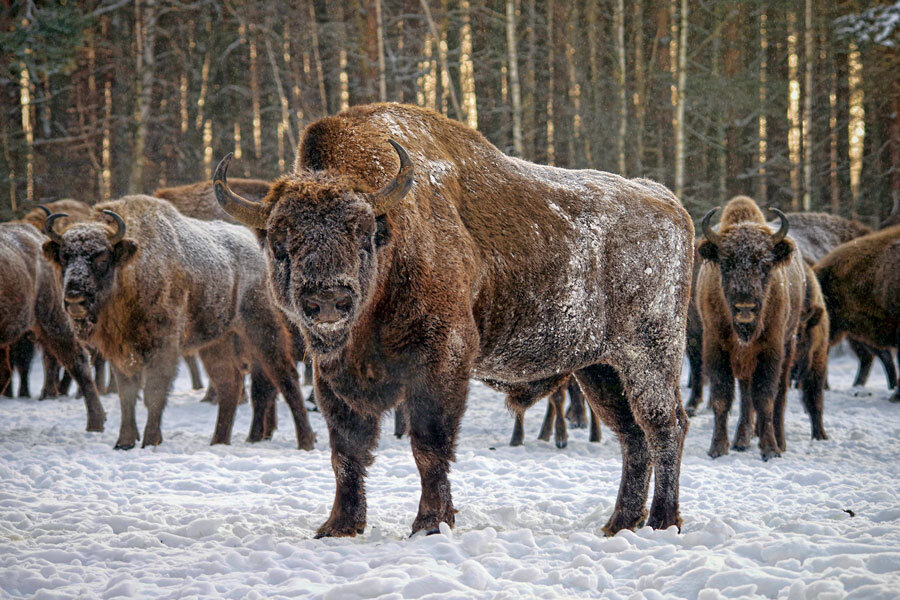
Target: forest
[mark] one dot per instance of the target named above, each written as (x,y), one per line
(794,103)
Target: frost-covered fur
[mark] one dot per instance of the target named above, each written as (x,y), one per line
(172,285)
(493,267)
(31,301)
(861,285)
(198,200)
(753,345)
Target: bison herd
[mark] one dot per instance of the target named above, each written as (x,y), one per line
(406,255)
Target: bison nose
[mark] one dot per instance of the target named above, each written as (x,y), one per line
(74,296)
(74,302)
(327,306)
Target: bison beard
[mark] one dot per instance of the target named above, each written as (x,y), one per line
(482,265)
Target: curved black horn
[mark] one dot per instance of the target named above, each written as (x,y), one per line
(48,227)
(384,199)
(783,230)
(120,228)
(708,232)
(252,214)
(46,210)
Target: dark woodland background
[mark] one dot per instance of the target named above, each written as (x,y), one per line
(794,103)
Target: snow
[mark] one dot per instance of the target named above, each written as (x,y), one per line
(186,520)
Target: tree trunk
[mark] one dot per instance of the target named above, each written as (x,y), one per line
(445,69)
(579,136)
(639,87)
(762,193)
(529,101)
(467,68)
(146,60)
(619,34)
(379,36)
(679,107)
(317,58)
(514,91)
(809,51)
(856,127)
(793,112)
(28,128)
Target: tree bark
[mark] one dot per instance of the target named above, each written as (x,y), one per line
(621,92)
(146,61)
(514,92)
(762,193)
(442,56)
(679,106)
(793,114)
(379,36)
(810,55)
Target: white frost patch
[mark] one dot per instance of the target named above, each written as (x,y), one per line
(80,520)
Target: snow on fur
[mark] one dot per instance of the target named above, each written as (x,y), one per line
(79,520)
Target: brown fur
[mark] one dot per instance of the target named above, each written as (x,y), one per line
(743,269)
(811,362)
(174,285)
(491,267)
(31,301)
(198,200)
(861,285)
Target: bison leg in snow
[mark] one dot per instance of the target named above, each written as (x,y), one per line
(262,397)
(51,376)
(434,416)
(194,369)
(721,396)
(518,434)
(399,421)
(159,372)
(813,394)
(603,389)
(768,377)
(554,417)
(694,353)
(128,386)
(746,425)
(225,377)
(352,437)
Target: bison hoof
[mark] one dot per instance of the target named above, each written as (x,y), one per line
(95,427)
(718,450)
(618,521)
(771,453)
(152,438)
(740,446)
(123,446)
(664,520)
(820,435)
(330,529)
(562,444)
(306,441)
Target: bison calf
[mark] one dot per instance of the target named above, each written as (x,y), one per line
(173,285)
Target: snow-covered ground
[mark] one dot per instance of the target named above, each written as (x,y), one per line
(186,520)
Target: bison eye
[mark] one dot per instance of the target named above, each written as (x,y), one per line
(101,261)
(279,251)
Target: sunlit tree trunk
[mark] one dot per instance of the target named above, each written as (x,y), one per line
(619,33)
(466,67)
(282,96)
(317,58)
(146,15)
(106,151)
(551,92)
(207,149)
(809,51)
(256,114)
(28,128)
(679,107)
(379,35)
(204,76)
(793,111)
(580,137)
(515,94)
(762,191)
(639,87)
(856,128)
(447,84)
(833,140)
(529,122)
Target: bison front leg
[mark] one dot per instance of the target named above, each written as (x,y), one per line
(226,379)
(768,376)
(262,397)
(694,353)
(721,396)
(745,427)
(352,437)
(813,400)
(518,434)
(434,417)
(603,390)
(399,421)
(128,387)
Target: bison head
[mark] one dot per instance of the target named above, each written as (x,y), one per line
(87,255)
(323,238)
(746,254)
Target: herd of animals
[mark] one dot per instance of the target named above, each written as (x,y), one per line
(405,255)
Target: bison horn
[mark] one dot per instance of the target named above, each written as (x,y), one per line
(783,230)
(120,228)
(48,227)
(46,210)
(711,235)
(384,199)
(252,214)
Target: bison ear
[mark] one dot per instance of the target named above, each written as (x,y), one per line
(708,251)
(124,251)
(812,317)
(51,251)
(382,231)
(782,251)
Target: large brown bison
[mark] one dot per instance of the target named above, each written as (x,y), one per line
(750,293)
(173,285)
(31,301)
(815,234)
(861,284)
(413,265)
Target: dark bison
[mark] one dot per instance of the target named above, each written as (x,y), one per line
(21,353)
(861,284)
(31,301)
(750,293)
(173,285)
(815,234)
(811,356)
(413,265)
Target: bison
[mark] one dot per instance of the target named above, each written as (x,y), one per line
(750,293)
(815,234)
(555,417)
(31,301)
(861,286)
(414,255)
(198,200)
(174,285)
